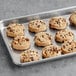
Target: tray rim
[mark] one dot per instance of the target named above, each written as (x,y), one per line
(42,60)
(56,10)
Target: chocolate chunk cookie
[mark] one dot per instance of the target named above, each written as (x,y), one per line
(43,39)
(20,43)
(72,19)
(29,55)
(15,29)
(58,23)
(64,35)
(68,47)
(51,51)
(37,26)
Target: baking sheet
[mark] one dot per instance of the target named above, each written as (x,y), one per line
(15,55)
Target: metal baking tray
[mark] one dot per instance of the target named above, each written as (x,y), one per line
(15,55)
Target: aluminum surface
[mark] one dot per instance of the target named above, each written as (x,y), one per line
(15,55)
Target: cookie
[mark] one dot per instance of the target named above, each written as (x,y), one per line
(57,23)
(37,26)
(64,35)
(51,51)
(43,39)
(68,47)
(29,55)
(72,19)
(15,29)
(20,43)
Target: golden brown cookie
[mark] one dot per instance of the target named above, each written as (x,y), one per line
(43,39)
(72,19)
(20,43)
(51,51)
(29,55)
(57,23)
(37,26)
(15,29)
(64,35)
(68,47)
